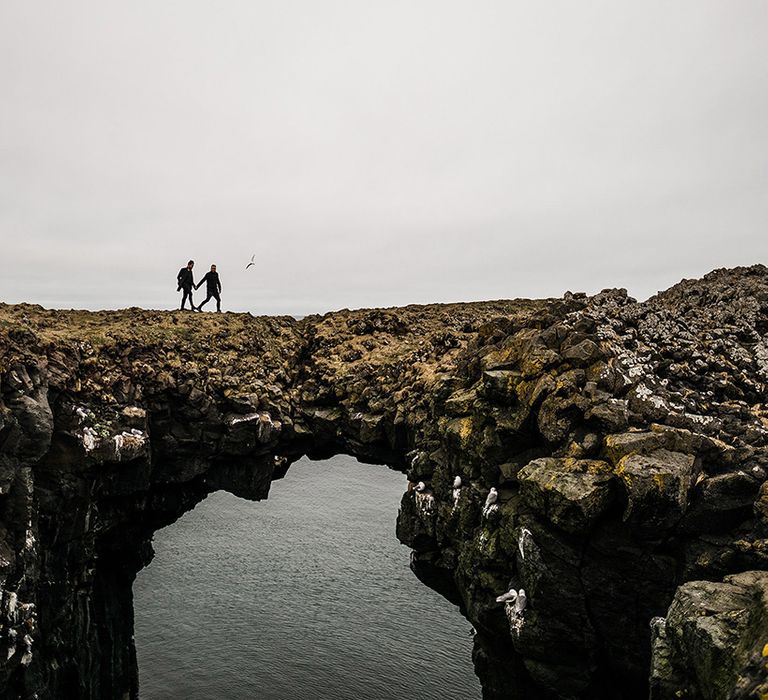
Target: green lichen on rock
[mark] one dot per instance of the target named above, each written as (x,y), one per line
(571,493)
(657,488)
(711,644)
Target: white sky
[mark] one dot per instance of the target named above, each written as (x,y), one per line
(377,152)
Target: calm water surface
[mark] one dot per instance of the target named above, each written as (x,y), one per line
(305,595)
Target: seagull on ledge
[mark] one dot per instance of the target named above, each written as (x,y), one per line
(509,597)
(493,496)
(490,501)
(456,490)
(520,602)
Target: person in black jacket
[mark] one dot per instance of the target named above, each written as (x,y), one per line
(186,282)
(212,286)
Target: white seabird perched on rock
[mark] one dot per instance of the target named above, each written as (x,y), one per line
(456,490)
(515,612)
(421,487)
(490,501)
(520,602)
(509,597)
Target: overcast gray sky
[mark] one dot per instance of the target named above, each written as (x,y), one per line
(377,152)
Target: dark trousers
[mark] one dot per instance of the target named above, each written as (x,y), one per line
(212,294)
(187,293)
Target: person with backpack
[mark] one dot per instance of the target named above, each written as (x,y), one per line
(186,282)
(212,287)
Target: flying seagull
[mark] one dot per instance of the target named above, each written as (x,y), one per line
(253,258)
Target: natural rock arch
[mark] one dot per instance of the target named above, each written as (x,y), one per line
(627,442)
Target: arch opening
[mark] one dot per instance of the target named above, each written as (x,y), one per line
(308,593)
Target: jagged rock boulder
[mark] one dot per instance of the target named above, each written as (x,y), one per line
(657,488)
(713,643)
(571,493)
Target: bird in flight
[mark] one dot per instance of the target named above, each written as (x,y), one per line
(253,258)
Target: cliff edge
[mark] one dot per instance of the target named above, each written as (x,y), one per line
(607,456)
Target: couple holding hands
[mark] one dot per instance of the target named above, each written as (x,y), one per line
(186,283)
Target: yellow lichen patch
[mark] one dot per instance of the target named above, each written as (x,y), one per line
(621,470)
(532,366)
(597,467)
(460,429)
(503,356)
(765,650)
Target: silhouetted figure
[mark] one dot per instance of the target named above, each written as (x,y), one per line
(186,282)
(212,287)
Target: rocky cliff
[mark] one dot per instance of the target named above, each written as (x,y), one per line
(611,459)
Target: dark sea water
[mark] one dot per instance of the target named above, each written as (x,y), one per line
(305,595)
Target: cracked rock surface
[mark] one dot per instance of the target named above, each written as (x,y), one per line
(626,443)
